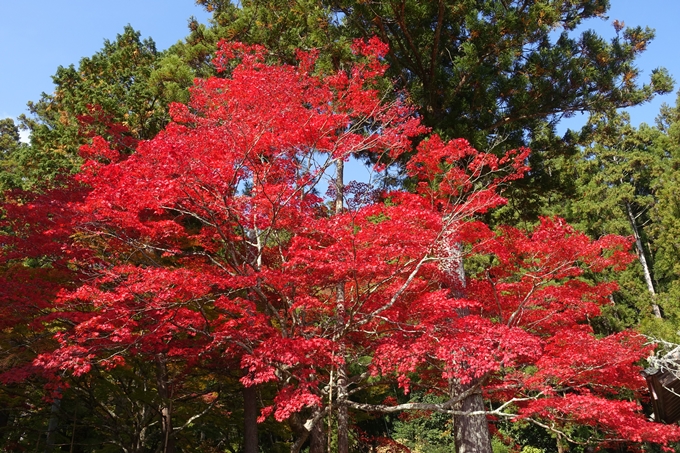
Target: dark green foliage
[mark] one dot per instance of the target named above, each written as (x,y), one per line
(12,153)
(121,93)
(487,71)
(501,74)
(282,26)
(626,182)
(482,70)
(9,137)
(617,179)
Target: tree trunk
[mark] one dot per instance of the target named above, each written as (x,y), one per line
(343,416)
(471,432)
(643,260)
(165,393)
(309,431)
(250,420)
(53,425)
(317,439)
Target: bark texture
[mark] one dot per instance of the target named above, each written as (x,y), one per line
(250,444)
(471,432)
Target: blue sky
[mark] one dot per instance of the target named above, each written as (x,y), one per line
(38,36)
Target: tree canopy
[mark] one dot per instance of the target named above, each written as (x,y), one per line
(184,257)
(210,245)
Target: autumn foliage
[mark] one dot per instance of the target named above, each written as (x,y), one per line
(214,243)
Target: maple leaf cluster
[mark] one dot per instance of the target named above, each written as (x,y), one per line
(211,244)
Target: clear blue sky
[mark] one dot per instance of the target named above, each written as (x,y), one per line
(37,36)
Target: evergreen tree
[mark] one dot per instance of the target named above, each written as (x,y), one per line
(665,228)
(121,93)
(500,74)
(626,182)
(11,151)
(617,176)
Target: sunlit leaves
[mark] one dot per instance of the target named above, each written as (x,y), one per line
(211,244)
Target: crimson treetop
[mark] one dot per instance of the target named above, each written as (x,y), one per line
(211,240)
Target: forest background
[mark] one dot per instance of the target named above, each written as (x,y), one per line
(609,178)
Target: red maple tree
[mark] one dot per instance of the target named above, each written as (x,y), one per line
(212,242)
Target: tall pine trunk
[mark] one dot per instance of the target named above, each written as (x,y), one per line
(4,425)
(646,270)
